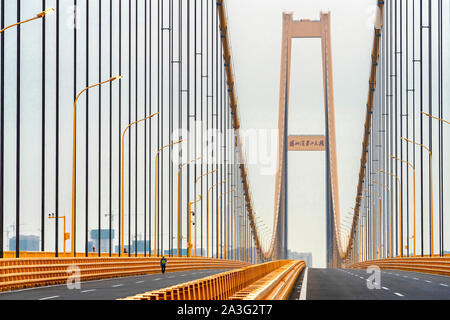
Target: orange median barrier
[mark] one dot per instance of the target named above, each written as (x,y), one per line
(226,285)
(277,285)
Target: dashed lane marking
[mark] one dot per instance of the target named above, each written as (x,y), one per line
(47,298)
(90,290)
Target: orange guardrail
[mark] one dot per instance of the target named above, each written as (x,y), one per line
(435,265)
(32,272)
(217,287)
(52,254)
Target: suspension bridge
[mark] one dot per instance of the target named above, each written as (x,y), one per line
(121,142)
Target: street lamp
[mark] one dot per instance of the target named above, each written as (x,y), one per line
(40,15)
(66,234)
(389,212)
(195,208)
(207,216)
(431,190)
(370,249)
(220,200)
(123,175)
(234,233)
(156,183)
(414,192)
(74,152)
(429,115)
(226,225)
(400,200)
(380,249)
(178,207)
(189,244)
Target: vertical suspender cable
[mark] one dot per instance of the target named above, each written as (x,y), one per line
(430,121)
(188,109)
(136,73)
(421,126)
(170,98)
(121,236)
(110,130)
(99,127)
(2,123)
(145,129)
(57,135)
(86,208)
(43,134)
(18,134)
(129,121)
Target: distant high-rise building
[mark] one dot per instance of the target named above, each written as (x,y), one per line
(26,243)
(104,240)
(307,256)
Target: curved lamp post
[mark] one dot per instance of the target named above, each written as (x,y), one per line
(431,191)
(389,213)
(123,175)
(220,200)
(40,15)
(380,249)
(195,208)
(207,216)
(400,198)
(178,207)
(74,153)
(414,197)
(156,183)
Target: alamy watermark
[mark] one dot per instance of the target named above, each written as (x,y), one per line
(374,280)
(215,146)
(74,279)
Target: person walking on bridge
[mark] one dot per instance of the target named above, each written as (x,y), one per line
(163,263)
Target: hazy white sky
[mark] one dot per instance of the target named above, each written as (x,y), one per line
(256,47)
(255,28)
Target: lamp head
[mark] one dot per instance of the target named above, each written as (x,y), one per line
(45,12)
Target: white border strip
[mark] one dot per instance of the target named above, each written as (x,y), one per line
(304,284)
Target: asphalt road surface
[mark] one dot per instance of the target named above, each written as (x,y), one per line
(353,284)
(107,289)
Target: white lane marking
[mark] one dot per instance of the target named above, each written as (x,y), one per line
(415,278)
(398,294)
(405,276)
(428,281)
(90,290)
(46,298)
(117,285)
(304,284)
(361,277)
(443,284)
(157,279)
(171,277)
(60,285)
(140,281)
(384,288)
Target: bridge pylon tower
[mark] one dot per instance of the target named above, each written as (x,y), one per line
(307,29)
